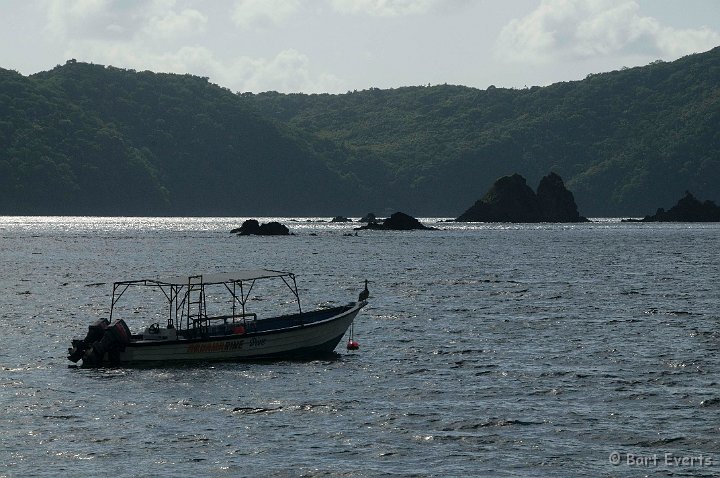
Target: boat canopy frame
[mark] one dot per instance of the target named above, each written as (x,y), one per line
(184,292)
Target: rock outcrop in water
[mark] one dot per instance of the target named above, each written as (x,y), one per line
(397,222)
(369,217)
(687,209)
(557,203)
(253,227)
(510,199)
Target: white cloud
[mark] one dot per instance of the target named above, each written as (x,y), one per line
(262,14)
(384,8)
(289,71)
(676,43)
(171,24)
(580,29)
(115,20)
(158,36)
(120,33)
(88,18)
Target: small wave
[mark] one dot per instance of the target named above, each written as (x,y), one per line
(711,402)
(309,407)
(551,391)
(556,373)
(655,311)
(488,424)
(418,370)
(458,352)
(303,408)
(656,443)
(61,417)
(193,438)
(507,423)
(254,410)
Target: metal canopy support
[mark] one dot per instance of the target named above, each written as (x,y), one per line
(199,287)
(233,293)
(293,289)
(170,295)
(242,302)
(180,298)
(116,296)
(173,320)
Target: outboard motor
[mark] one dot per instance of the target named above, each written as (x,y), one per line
(113,342)
(96,330)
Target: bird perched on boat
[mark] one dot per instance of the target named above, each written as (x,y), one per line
(365,293)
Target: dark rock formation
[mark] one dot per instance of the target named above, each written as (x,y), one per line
(687,209)
(510,199)
(273,229)
(397,222)
(400,221)
(253,227)
(250,226)
(369,217)
(557,204)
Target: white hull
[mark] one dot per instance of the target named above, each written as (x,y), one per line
(193,335)
(298,341)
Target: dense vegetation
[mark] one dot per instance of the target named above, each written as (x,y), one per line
(88,139)
(625,142)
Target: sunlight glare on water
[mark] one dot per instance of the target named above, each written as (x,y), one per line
(486,350)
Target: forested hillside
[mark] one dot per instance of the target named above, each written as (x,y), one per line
(89,139)
(625,142)
(86,139)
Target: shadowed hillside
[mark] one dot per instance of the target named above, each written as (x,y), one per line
(89,139)
(86,139)
(624,141)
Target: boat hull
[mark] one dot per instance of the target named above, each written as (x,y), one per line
(310,340)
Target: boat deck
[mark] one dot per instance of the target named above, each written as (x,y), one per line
(261,326)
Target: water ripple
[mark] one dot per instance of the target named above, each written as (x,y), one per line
(522,350)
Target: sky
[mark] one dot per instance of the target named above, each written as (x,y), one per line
(336,46)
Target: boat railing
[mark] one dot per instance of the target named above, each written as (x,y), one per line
(244,316)
(203,324)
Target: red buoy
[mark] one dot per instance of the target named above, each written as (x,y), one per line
(352,345)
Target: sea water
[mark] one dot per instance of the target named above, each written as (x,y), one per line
(485,350)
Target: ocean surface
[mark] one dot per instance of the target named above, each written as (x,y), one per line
(486,350)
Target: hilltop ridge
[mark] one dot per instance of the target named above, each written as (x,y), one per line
(94,139)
